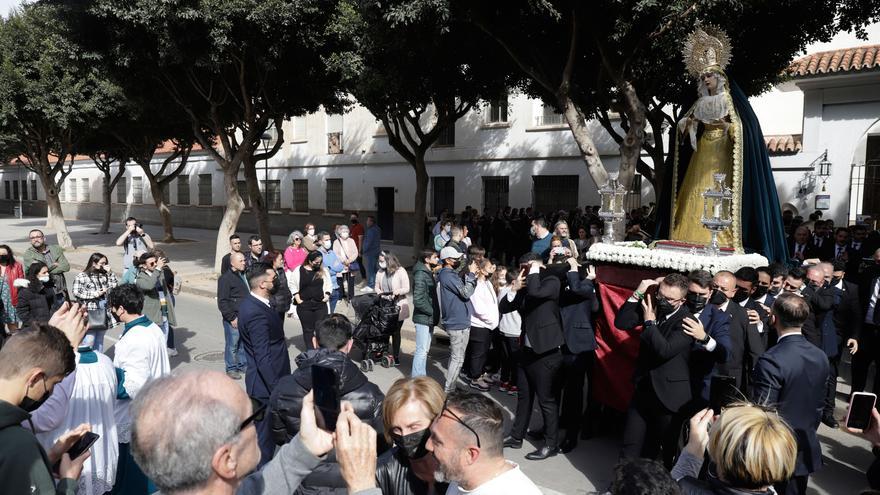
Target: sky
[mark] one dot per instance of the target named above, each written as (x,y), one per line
(7,5)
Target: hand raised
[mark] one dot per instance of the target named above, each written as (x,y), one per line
(648,309)
(694,328)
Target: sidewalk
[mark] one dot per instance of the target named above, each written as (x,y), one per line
(192,258)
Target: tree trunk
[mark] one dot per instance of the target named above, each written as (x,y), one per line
(106,194)
(578,125)
(419,213)
(231,214)
(258,205)
(54,215)
(157,189)
(631,147)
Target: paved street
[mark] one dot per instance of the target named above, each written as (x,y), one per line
(199,339)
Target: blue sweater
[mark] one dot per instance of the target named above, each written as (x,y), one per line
(454,295)
(541,247)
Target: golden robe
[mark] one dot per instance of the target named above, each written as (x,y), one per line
(714,154)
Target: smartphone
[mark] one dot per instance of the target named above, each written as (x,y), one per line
(723,392)
(326,386)
(83,444)
(860,406)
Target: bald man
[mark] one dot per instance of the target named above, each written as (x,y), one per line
(232,288)
(724,283)
(193,433)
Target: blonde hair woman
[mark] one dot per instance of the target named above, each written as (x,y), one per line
(408,410)
(753,449)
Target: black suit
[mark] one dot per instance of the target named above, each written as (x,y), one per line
(808,251)
(869,336)
(791,376)
(577,304)
(541,359)
(847,318)
(662,382)
(737,364)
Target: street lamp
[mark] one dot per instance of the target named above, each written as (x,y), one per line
(266,138)
(824,169)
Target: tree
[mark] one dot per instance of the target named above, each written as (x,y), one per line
(104,161)
(235,68)
(50,98)
(417,76)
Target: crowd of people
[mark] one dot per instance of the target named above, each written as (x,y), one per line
(518,323)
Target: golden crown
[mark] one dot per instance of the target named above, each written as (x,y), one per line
(706,48)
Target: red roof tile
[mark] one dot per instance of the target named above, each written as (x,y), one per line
(784,144)
(854,59)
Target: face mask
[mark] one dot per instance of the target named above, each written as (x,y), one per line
(44,278)
(316,265)
(718,298)
(835,280)
(326,244)
(5,259)
(354,221)
(413,445)
(383,265)
(532,232)
(502,283)
(310,232)
(343,235)
(774,291)
(31,405)
(664,307)
(594,232)
(447,229)
(456,263)
(740,296)
(696,302)
(759,292)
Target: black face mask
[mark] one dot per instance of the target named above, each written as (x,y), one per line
(664,307)
(718,298)
(835,280)
(5,259)
(774,291)
(456,264)
(413,445)
(31,405)
(759,292)
(354,221)
(740,296)
(696,302)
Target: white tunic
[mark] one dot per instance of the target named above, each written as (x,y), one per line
(510,482)
(92,401)
(142,356)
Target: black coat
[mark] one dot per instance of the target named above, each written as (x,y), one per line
(35,303)
(821,301)
(394,476)
(736,364)
(538,304)
(286,403)
(231,290)
(576,305)
(693,486)
(282,298)
(791,376)
(849,315)
(664,354)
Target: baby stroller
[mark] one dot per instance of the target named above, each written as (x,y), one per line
(377,317)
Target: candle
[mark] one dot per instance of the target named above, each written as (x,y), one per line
(717,211)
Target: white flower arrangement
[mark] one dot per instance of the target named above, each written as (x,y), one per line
(638,254)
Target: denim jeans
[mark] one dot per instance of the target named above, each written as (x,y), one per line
(335,296)
(458,341)
(423,343)
(233,354)
(371,264)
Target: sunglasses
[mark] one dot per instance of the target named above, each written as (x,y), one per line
(460,421)
(258,415)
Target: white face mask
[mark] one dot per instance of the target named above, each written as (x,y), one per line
(383,265)
(326,244)
(310,232)
(502,282)
(447,229)
(594,232)
(343,235)
(43,278)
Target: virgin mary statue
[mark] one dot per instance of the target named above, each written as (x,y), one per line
(720,134)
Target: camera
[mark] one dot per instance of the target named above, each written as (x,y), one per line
(139,225)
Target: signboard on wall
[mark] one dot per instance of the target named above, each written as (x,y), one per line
(823,201)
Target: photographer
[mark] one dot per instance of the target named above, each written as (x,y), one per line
(134,239)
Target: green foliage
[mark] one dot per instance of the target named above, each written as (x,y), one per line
(51,94)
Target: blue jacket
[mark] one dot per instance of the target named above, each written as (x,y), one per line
(454,295)
(576,307)
(717,325)
(371,244)
(262,335)
(541,247)
(333,265)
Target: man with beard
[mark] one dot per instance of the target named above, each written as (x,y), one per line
(262,335)
(662,383)
(466,441)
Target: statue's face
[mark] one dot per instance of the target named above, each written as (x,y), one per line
(710,79)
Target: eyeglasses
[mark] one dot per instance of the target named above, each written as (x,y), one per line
(460,421)
(258,415)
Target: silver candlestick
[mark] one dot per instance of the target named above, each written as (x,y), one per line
(717,201)
(612,209)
